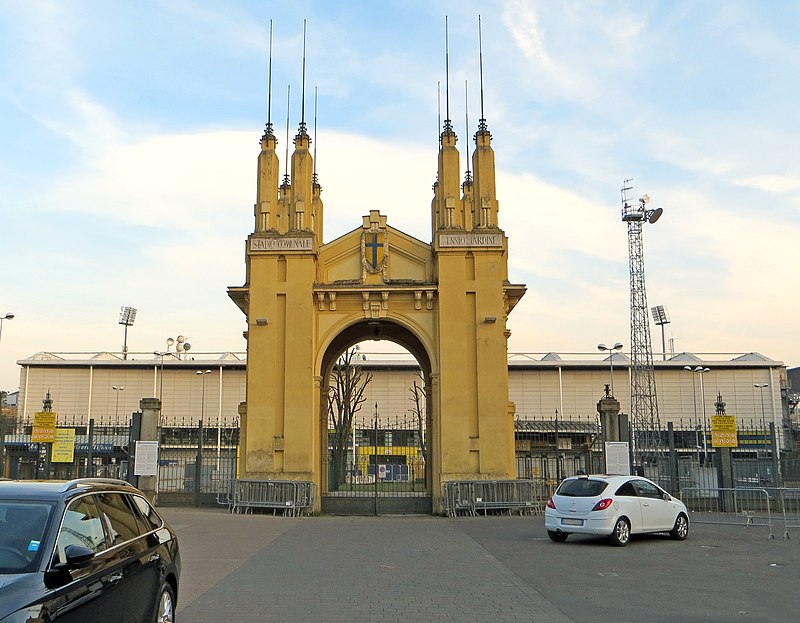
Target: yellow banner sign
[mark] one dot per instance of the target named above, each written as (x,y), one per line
(724,440)
(44,419)
(723,431)
(64,446)
(723,423)
(44,427)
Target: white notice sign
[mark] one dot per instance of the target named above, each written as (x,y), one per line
(146,461)
(617,458)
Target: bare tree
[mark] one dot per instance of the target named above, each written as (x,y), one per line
(345,396)
(419,399)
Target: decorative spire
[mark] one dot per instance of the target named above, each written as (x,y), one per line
(485,206)
(268,130)
(286,161)
(468,176)
(483,128)
(302,130)
(314,178)
(438,109)
(448,124)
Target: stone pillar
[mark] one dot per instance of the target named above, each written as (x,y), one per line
(608,408)
(151,416)
(725,481)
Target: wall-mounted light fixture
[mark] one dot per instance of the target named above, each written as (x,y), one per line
(261,322)
(490,319)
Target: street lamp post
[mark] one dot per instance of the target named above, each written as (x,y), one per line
(611,349)
(117,390)
(8,316)
(695,425)
(202,374)
(162,354)
(761,387)
(701,371)
(198,472)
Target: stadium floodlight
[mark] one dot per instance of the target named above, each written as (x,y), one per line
(127,316)
(661,317)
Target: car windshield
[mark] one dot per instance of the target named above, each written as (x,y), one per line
(22,527)
(582,488)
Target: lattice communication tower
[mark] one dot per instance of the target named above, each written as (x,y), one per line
(644,406)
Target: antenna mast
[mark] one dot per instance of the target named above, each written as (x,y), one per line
(644,406)
(303,90)
(286,163)
(314,174)
(268,130)
(482,127)
(468,176)
(448,126)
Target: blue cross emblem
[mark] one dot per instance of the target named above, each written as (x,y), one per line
(373,245)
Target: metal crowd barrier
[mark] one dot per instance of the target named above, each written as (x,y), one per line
(473,497)
(737,507)
(291,498)
(790,500)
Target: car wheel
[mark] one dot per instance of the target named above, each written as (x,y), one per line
(681,529)
(622,532)
(165,608)
(558,537)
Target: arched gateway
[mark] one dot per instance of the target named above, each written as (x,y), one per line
(447,302)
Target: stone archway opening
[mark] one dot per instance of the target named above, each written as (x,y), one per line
(379,459)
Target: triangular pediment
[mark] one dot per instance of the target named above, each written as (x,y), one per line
(343,261)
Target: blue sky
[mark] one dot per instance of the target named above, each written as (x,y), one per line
(130,134)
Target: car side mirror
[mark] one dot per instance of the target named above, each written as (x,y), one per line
(667,497)
(77,556)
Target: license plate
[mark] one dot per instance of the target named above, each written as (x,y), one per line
(571,522)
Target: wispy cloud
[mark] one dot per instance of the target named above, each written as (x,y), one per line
(132,172)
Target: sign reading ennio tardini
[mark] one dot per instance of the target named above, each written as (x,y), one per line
(281,244)
(471,239)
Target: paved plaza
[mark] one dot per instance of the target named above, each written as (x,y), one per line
(264,568)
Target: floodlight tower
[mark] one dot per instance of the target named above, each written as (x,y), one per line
(644,406)
(127,315)
(661,317)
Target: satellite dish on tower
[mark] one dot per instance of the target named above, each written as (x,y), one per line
(655,215)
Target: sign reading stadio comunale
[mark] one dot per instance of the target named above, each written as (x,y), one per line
(282,244)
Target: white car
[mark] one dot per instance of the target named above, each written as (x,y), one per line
(613,506)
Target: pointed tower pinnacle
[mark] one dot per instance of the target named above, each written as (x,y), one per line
(316,203)
(467,199)
(300,209)
(285,198)
(268,170)
(448,212)
(485,194)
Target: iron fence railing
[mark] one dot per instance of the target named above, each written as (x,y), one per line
(197,463)
(194,460)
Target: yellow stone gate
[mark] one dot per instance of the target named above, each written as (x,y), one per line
(446,301)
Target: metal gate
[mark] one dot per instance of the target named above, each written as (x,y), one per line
(381,470)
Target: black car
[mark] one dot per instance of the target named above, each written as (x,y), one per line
(84,550)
